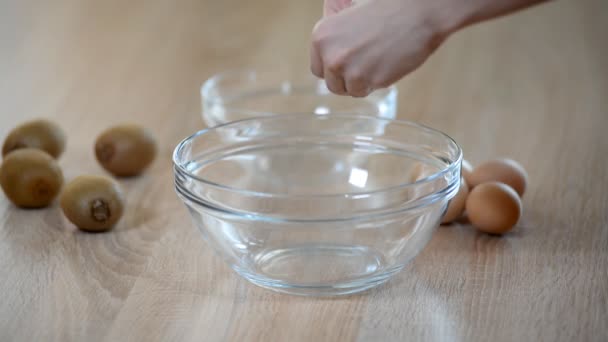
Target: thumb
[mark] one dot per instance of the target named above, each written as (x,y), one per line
(331,7)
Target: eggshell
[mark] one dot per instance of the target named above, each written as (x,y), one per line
(506,171)
(456,206)
(493,207)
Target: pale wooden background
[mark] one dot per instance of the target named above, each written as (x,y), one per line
(533,86)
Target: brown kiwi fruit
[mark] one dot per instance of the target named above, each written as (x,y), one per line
(125,150)
(41,134)
(93,203)
(30,178)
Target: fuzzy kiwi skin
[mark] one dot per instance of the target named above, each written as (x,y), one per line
(30,178)
(93,203)
(125,150)
(40,134)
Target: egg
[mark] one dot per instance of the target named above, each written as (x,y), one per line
(456,206)
(506,171)
(466,169)
(493,207)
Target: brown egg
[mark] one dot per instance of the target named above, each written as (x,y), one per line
(506,171)
(493,207)
(456,206)
(466,169)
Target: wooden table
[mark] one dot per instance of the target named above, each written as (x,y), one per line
(532,86)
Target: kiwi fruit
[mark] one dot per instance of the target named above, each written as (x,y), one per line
(125,150)
(93,203)
(30,178)
(40,134)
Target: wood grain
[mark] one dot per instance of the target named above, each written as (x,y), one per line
(533,86)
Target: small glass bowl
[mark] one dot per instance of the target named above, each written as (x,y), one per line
(317,204)
(238,95)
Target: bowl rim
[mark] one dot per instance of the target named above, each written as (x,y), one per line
(306,80)
(179,168)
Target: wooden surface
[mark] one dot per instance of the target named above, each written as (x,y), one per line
(532,86)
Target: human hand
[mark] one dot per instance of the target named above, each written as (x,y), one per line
(359,47)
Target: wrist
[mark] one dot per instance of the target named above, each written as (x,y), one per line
(447,17)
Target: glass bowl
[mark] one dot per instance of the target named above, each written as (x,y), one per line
(240,95)
(317,204)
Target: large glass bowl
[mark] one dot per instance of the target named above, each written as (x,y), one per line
(238,95)
(317,204)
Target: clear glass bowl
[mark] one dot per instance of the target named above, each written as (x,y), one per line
(317,204)
(240,95)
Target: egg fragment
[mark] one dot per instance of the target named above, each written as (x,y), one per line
(456,206)
(493,207)
(506,171)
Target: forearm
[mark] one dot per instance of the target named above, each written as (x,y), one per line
(453,15)
(374,43)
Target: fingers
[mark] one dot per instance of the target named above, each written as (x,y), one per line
(316,63)
(334,60)
(338,82)
(335,82)
(357,86)
(353,85)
